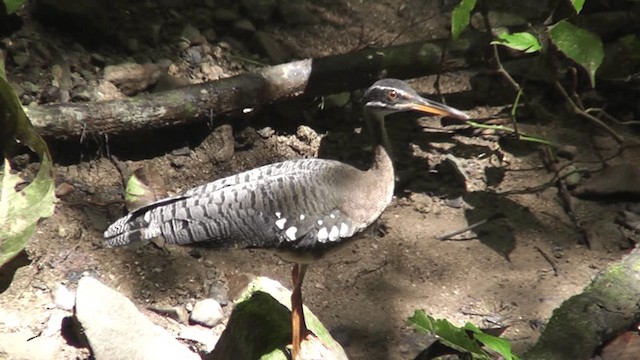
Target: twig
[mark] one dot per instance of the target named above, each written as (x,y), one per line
(611,117)
(564,194)
(497,63)
(122,169)
(549,260)
(470,227)
(75,247)
(247,60)
(578,111)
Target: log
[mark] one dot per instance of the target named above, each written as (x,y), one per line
(584,322)
(244,92)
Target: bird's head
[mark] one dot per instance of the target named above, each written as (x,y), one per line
(388,96)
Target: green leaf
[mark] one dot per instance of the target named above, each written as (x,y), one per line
(449,334)
(12,5)
(580,45)
(501,346)
(522,41)
(460,17)
(577,4)
(21,209)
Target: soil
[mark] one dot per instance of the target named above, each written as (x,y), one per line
(512,271)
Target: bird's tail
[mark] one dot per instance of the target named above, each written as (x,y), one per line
(137,225)
(126,231)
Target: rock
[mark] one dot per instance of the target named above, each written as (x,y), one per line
(211,71)
(266,132)
(64,298)
(210,34)
(220,145)
(105,91)
(132,78)
(262,318)
(264,43)
(133,45)
(243,28)
(604,234)
(80,93)
(144,186)
(306,133)
(193,55)
(259,10)
(21,59)
(193,35)
(207,312)
(116,329)
(567,151)
(219,293)
(176,313)
(296,14)
(168,82)
(623,179)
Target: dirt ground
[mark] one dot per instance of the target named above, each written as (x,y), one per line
(501,274)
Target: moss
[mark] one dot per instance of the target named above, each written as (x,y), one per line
(260,325)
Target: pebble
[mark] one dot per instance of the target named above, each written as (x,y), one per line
(266,132)
(207,312)
(219,293)
(244,28)
(306,133)
(176,313)
(192,34)
(64,298)
(270,47)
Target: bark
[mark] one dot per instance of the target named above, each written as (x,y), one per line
(582,323)
(311,77)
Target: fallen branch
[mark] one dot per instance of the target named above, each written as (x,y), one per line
(243,92)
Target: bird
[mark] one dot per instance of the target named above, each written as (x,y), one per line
(301,208)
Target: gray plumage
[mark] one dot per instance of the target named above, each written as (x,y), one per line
(292,205)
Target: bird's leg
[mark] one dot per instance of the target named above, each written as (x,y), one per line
(298,326)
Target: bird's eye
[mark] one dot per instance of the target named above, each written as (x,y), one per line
(392,95)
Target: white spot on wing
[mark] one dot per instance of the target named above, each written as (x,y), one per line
(323,234)
(278,214)
(333,216)
(320,222)
(333,235)
(291,232)
(280,223)
(344,229)
(301,216)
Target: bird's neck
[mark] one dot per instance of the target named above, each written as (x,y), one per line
(382,162)
(381,171)
(370,192)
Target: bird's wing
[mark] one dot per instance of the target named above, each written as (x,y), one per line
(293,204)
